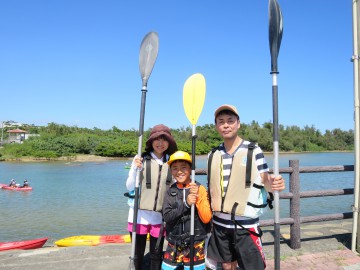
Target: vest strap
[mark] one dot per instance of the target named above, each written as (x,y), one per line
(270,200)
(169,177)
(209,169)
(210,162)
(235,222)
(251,147)
(249,221)
(258,186)
(127,194)
(257,205)
(148,171)
(161,236)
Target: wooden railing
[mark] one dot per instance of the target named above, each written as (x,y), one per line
(294,195)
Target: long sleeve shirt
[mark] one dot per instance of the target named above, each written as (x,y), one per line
(172,213)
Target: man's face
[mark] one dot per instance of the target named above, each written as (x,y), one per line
(227,125)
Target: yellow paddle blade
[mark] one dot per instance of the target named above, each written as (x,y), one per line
(194,97)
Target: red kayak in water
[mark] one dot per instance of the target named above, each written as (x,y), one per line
(4,186)
(26,244)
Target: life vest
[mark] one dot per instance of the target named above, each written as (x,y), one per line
(178,233)
(154,180)
(245,194)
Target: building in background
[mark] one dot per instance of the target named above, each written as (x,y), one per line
(16,135)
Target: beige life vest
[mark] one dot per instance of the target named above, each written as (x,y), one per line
(154,181)
(251,198)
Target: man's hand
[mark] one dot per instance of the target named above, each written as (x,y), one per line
(277,182)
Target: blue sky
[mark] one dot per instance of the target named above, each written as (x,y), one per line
(76,62)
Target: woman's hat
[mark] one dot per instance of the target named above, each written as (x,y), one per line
(156,132)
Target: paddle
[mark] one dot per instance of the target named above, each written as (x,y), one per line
(275,35)
(147,57)
(193,102)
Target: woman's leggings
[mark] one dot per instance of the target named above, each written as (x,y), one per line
(155,254)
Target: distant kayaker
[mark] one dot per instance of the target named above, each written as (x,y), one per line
(12,183)
(26,183)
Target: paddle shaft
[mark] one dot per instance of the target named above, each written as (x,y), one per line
(193,156)
(137,181)
(148,53)
(275,36)
(276,168)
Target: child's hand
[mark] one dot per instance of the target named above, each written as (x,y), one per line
(192,197)
(194,189)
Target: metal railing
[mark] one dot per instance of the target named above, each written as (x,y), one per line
(294,195)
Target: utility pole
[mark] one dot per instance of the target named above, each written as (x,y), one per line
(355,59)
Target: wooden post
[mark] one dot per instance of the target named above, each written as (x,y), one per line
(294,188)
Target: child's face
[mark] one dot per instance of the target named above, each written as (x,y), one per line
(181,171)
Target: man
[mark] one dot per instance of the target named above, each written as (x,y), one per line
(238,182)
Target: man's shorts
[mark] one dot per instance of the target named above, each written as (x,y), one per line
(181,256)
(243,247)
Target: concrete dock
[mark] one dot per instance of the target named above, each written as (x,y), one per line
(324,245)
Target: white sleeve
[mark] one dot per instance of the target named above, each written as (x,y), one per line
(130,182)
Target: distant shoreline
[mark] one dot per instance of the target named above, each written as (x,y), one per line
(94,158)
(77,158)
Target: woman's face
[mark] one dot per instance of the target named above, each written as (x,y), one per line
(160,145)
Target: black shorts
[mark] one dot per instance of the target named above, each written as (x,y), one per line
(176,256)
(246,248)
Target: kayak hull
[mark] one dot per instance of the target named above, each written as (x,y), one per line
(26,244)
(93,240)
(4,186)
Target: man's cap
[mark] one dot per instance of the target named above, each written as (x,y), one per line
(226,107)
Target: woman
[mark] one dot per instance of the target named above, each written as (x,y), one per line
(155,177)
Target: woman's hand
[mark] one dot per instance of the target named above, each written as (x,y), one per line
(138,162)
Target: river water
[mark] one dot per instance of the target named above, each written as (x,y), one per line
(82,198)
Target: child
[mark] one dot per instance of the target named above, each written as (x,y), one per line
(155,178)
(177,215)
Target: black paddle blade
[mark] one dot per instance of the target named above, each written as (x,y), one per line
(275,32)
(148,54)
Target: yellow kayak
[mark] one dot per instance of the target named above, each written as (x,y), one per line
(93,240)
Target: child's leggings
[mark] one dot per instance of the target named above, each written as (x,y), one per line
(155,254)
